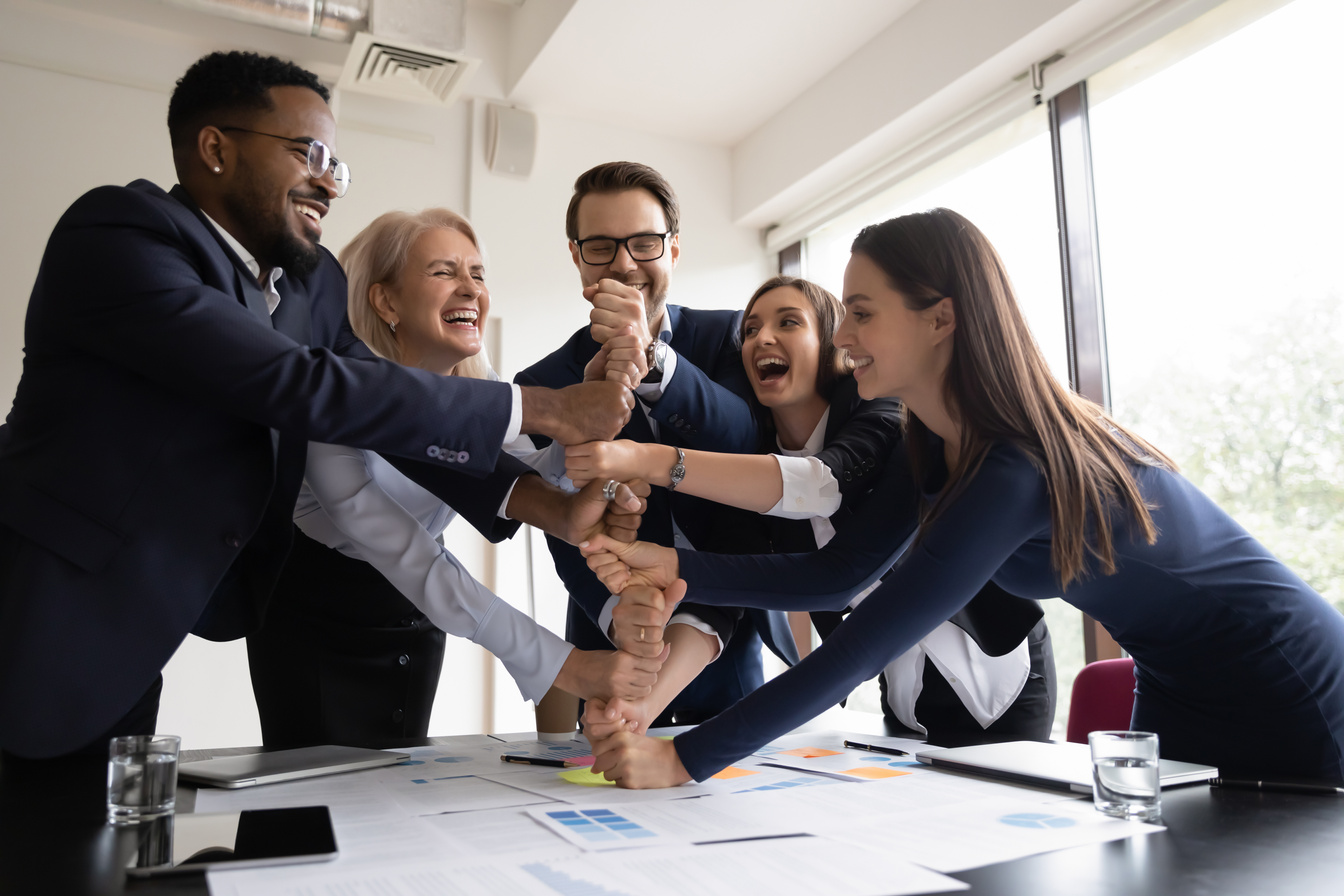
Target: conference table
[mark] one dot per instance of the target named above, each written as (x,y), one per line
(53,840)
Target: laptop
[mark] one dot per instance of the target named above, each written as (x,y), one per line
(1065,766)
(253,769)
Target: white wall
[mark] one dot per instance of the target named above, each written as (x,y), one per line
(63,134)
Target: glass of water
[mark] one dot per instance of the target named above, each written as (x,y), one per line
(141,777)
(1125,779)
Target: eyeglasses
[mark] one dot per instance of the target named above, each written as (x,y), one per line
(320,159)
(641,246)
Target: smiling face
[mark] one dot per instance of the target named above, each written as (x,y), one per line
(897,352)
(439,301)
(781,348)
(273,205)
(620,215)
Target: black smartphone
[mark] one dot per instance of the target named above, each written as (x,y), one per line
(252,838)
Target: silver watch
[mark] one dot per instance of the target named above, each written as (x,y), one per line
(678,471)
(656,358)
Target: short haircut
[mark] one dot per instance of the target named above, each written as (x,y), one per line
(378,254)
(221,83)
(831,363)
(616,177)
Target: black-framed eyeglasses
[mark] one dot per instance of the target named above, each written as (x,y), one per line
(641,246)
(320,159)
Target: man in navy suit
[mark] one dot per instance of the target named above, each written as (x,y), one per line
(623,226)
(174,372)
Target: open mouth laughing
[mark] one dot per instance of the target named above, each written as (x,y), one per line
(771,369)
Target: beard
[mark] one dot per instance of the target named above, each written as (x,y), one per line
(274,242)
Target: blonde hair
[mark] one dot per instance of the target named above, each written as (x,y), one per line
(378,254)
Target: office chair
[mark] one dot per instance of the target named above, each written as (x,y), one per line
(1103,698)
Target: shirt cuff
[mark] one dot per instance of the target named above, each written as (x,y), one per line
(503,512)
(651,392)
(515,415)
(810,489)
(699,624)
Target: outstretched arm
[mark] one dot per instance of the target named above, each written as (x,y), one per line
(750,481)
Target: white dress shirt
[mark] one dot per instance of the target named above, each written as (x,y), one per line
(357,503)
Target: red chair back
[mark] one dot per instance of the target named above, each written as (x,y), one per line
(1103,698)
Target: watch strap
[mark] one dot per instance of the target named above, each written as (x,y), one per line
(678,471)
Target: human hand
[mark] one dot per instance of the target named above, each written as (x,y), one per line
(622,522)
(587,512)
(641,613)
(583,412)
(619,564)
(601,719)
(621,460)
(616,307)
(638,762)
(627,358)
(609,675)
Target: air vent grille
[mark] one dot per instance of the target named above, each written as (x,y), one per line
(396,69)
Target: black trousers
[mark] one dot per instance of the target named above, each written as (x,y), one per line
(342,657)
(950,724)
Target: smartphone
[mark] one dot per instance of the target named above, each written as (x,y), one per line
(252,838)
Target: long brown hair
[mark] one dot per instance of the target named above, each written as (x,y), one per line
(1000,389)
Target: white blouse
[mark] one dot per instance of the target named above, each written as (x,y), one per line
(357,503)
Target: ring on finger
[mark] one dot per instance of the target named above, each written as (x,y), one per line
(641,633)
(609,490)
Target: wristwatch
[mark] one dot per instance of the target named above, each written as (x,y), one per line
(678,471)
(656,357)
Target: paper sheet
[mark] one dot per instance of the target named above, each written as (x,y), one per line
(983,832)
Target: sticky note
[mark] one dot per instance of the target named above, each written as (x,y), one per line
(809,752)
(873,772)
(586,777)
(733,771)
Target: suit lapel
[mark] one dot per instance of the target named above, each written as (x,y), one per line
(245,285)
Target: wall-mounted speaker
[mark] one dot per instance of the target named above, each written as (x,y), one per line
(510,140)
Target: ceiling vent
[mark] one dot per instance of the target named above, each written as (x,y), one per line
(404,71)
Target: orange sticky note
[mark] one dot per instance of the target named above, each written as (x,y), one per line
(871,772)
(733,771)
(810,752)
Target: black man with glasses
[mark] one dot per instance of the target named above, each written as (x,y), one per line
(685,366)
(178,358)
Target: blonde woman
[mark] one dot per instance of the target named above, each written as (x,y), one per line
(353,646)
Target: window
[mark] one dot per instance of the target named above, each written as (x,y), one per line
(1218,189)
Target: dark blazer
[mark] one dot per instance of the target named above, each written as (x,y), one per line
(705,406)
(150,462)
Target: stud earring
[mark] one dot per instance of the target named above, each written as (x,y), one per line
(217,169)
(392,327)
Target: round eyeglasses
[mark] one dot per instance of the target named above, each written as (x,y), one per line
(320,159)
(641,246)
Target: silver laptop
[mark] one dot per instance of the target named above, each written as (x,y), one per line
(1056,766)
(284,765)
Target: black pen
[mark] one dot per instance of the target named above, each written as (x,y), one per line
(537,760)
(873,748)
(1277,786)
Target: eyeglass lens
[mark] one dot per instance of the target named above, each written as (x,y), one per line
(320,159)
(641,246)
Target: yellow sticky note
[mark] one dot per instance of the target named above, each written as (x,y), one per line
(810,752)
(733,771)
(871,772)
(586,777)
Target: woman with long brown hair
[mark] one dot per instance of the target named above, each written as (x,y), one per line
(1238,662)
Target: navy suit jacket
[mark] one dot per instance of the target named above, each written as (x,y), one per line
(705,406)
(150,462)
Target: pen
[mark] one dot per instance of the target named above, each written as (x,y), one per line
(1276,786)
(538,760)
(873,748)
